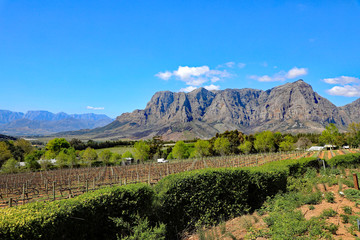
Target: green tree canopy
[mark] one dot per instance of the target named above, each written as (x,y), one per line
(127,154)
(141,150)
(26,146)
(330,134)
(57,144)
(180,150)
(10,166)
(222,146)
(89,156)
(264,142)
(246,146)
(5,153)
(202,148)
(287,144)
(105,156)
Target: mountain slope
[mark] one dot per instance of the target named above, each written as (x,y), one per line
(292,107)
(44,122)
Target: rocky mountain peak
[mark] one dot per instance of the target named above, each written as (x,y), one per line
(291,107)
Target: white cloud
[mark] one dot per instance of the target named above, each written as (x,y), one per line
(195,76)
(230,64)
(241,65)
(212,87)
(187,89)
(346,91)
(264,64)
(296,72)
(164,75)
(281,76)
(342,80)
(95,108)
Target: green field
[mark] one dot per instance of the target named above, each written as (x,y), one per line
(120,150)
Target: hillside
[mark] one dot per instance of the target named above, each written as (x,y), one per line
(44,122)
(292,107)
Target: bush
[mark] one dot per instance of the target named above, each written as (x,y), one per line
(84,217)
(330,197)
(206,197)
(348,160)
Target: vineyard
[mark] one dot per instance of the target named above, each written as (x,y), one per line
(21,188)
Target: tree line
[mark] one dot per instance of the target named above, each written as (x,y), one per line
(75,153)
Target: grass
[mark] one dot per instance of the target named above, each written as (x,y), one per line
(120,150)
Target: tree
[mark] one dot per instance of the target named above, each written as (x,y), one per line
(329,135)
(24,145)
(127,154)
(155,145)
(10,166)
(141,150)
(353,134)
(264,142)
(5,153)
(202,148)
(55,145)
(287,144)
(246,147)
(179,150)
(62,159)
(115,157)
(222,146)
(77,144)
(105,156)
(89,156)
(31,163)
(303,143)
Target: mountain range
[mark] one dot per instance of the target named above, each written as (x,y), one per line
(292,107)
(45,123)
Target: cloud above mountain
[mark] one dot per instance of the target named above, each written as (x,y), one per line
(349,86)
(282,75)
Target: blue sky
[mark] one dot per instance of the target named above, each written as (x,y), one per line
(110,57)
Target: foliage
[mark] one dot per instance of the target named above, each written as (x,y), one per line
(105,156)
(329,135)
(202,148)
(222,146)
(31,163)
(287,144)
(330,197)
(87,216)
(264,142)
(10,166)
(127,154)
(141,150)
(179,150)
(352,194)
(303,143)
(246,147)
(89,156)
(207,196)
(141,230)
(5,153)
(57,144)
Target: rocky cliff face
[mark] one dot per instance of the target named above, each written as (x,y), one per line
(292,107)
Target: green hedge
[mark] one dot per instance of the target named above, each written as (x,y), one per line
(83,217)
(348,160)
(210,195)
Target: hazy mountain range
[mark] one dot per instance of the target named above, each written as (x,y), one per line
(45,123)
(292,107)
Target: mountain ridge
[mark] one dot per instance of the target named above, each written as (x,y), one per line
(44,122)
(292,107)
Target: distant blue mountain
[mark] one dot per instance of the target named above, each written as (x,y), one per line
(44,122)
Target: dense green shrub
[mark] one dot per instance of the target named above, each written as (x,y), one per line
(347,160)
(85,217)
(211,195)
